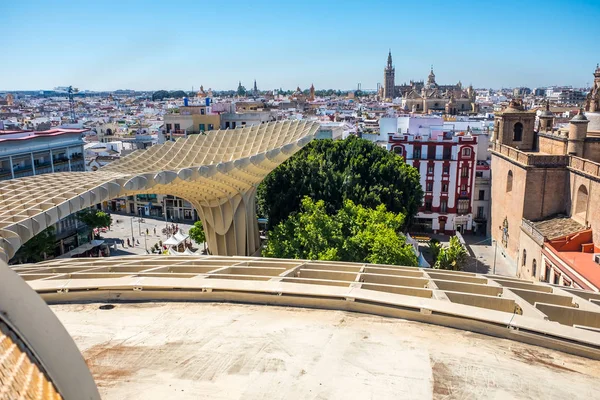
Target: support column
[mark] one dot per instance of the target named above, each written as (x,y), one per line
(12,170)
(32,163)
(230,224)
(51,160)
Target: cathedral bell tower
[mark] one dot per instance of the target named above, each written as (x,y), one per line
(514,127)
(389,78)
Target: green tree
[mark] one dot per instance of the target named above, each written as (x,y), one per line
(434,248)
(451,257)
(37,248)
(353,233)
(94,218)
(335,171)
(197,233)
(177,94)
(160,95)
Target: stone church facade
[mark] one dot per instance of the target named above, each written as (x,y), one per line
(546,191)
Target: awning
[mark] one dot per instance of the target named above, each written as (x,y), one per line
(82,249)
(176,239)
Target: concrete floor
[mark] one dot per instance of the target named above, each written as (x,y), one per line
(229,351)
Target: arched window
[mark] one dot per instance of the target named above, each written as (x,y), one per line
(466,152)
(518,132)
(524,257)
(398,150)
(534,268)
(509,181)
(581,202)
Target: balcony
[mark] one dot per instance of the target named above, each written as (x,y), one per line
(529,228)
(584,166)
(530,159)
(479,181)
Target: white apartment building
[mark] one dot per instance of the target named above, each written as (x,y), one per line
(26,153)
(447,155)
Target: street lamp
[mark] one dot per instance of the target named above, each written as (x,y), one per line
(495,251)
(132,240)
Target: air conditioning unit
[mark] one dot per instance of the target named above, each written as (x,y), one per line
(597,258)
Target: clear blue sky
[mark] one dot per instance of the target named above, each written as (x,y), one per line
(108,45)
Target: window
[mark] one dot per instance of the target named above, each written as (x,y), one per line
(464,172)
(463,206)
(233,124)
(417,153)
(509,181)
(444,187)
(482,195)
(463,187)
(211,127)
(202,127)
(429,186)
(524,262)
(447,153)
(227,125)
(479,174)
(533,268)
(430,169)
(466,152)
(547,276)
(177,127)
(169,128)
(446,169)
(428,205)
(202,111)
(556,278)
(443,206)
(397,150)
(480,212)
(518,132)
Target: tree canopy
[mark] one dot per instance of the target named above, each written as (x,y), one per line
(335,171)
(94,218)
(37,248)
(451,257)
(197,233)
(163,94)
(354,233)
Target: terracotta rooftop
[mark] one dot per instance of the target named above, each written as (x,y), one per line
(557,227)
(577,251)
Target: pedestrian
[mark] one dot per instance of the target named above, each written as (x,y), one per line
(147,231)
(128,243)
(154,231)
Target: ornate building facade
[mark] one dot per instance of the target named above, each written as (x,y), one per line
(423,97)
(546,194)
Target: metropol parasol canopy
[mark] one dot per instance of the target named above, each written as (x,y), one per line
(218,173)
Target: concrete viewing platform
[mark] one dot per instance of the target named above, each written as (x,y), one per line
(238,351)
(246,327)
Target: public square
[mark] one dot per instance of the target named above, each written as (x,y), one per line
(126,227)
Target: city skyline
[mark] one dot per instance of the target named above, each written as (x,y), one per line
(141,46)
